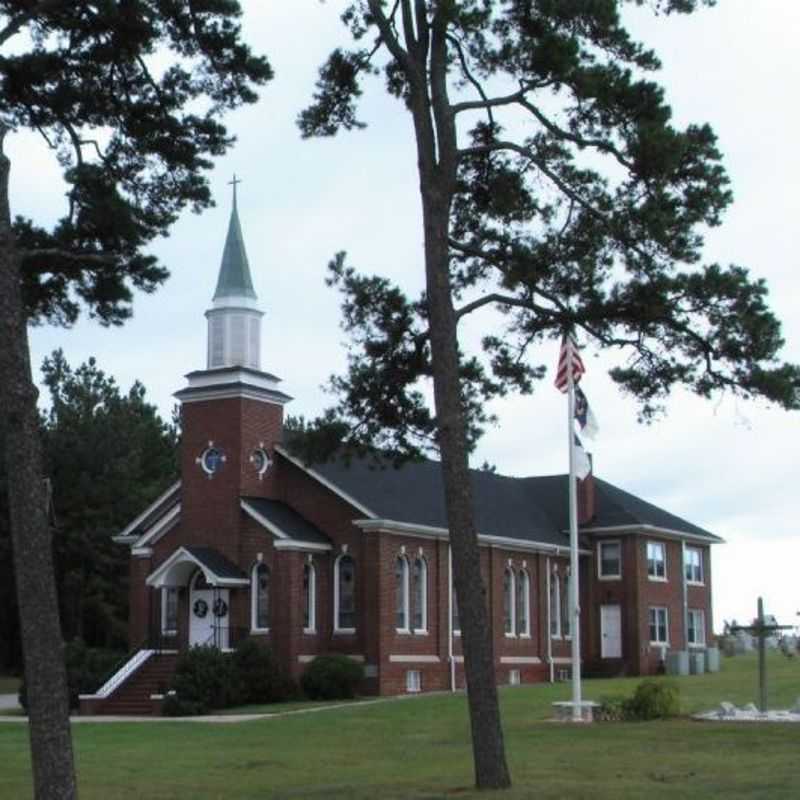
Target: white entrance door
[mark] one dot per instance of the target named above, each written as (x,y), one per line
(208,615)
(610,632)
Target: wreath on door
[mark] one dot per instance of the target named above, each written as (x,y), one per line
(220,608)
(200,608)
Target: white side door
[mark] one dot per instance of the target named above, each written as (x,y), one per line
(610,632)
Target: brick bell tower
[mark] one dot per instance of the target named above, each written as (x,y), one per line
(231,412)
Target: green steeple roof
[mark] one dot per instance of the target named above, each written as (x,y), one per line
(234,272)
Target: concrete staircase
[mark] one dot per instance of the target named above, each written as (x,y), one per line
(131,695)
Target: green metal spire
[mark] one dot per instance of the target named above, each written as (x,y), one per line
(234,272)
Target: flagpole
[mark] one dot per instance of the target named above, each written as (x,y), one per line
(574,606)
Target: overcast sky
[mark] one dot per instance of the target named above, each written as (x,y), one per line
(726,465)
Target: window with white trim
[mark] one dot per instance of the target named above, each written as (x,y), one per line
(696,633)
(566,617)
(693,564)
(609,560)
(508,602)
(523,603)
(419,584)
(259,597)
(344,599)
(309,598)
(656,561)
(555,607)
(659,625)
(401,594)
(413,680)
(513,677)
(169,610)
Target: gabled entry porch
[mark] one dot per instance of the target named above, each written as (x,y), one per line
(195,585)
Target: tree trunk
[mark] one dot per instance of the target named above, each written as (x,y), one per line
(491,769)
(43,648)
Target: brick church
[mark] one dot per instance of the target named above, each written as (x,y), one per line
(252,542)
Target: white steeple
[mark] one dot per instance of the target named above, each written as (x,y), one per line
(234,320)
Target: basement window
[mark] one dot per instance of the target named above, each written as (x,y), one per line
(413,680)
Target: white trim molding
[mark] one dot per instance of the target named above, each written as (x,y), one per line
(654,530)
(414,659)
(127,536)
(521,660)
(397,528)
(308,658)
(158,577)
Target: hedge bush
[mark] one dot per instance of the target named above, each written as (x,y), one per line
(204,680)
(87,668)
(207,680)
(653,700)
(332,678)
(260,678)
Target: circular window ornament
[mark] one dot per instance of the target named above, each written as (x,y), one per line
(260,459)
(211,459)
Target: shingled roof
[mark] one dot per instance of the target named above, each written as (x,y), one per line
(285,519)
(532,509)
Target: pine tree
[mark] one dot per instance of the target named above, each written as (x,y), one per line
(128,95)
(556,191)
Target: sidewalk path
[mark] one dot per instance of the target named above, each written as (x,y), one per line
(215,718)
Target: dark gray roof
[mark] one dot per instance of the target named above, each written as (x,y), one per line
(215,562)
(533,509)
(287,520)
(617,507)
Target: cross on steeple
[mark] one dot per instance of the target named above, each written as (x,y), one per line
(762,631)
(234,183)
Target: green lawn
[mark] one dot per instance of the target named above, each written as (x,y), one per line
(8,684)
(419,748)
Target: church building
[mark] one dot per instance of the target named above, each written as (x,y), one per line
(327,558)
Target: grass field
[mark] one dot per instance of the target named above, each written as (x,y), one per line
(419,748)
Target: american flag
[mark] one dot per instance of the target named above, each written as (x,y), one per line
(562,379)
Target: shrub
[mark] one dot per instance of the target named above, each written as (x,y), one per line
(204,680)
(259,677)
(332,678)
(87,668)
(653,700)
(609,709)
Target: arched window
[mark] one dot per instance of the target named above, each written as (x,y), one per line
(259,596)
(344,600)
(523,603)
(566,617)
(420,595)
(508,601)
(555,607)
(401,593)
(309,598)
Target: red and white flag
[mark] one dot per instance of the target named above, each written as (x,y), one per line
(568,354)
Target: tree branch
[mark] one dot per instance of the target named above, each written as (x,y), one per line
(68,255)
(488,299)
(486,104)
(389,38)
(20,20)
